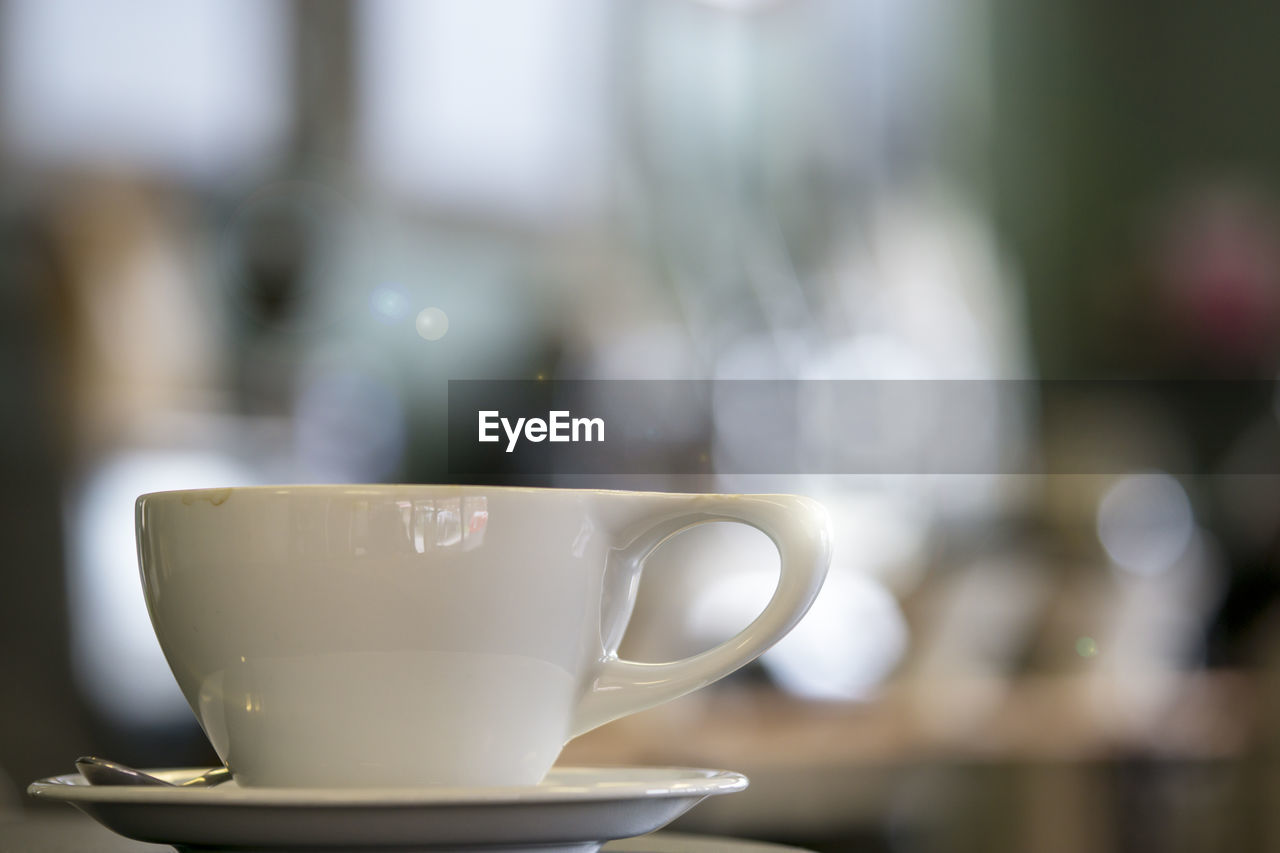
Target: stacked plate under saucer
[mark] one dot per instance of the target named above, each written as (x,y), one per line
(573,809)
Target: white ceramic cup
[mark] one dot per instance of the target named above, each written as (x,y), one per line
(365,636)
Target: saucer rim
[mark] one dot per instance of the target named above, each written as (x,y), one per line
(666,782)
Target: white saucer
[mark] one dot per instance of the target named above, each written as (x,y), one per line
(573,809)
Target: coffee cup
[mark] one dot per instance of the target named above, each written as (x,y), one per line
(407,635)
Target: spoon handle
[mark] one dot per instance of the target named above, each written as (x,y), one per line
(209,778)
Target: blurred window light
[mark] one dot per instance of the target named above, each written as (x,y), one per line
(199,88)
(488,106)
(1145,523)
(846,646)
(117,658)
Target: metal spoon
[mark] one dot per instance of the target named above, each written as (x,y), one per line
(100,771)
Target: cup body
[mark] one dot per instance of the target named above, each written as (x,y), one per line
(366,636)
(379,635)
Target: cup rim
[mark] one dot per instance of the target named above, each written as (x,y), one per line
(220,494)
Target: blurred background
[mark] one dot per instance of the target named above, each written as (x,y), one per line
(248,241)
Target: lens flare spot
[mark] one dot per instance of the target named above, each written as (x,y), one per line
(389,303)
(432,324)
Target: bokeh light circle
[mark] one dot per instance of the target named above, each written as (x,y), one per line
(432,324)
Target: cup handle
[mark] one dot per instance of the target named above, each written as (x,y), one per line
(799,529)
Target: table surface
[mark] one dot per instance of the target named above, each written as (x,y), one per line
(75,833)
